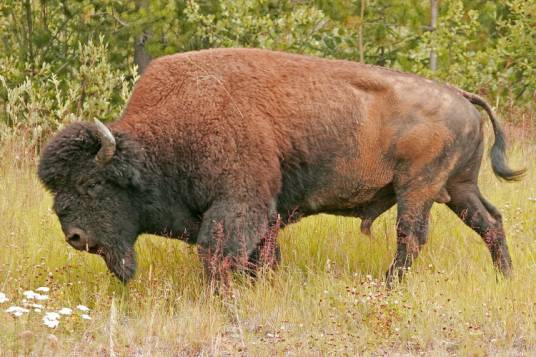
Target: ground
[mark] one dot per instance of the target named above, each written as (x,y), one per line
(328,296)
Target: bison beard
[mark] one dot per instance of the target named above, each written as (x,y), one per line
(121,263)
(214,144)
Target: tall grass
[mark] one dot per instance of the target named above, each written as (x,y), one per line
(327,297)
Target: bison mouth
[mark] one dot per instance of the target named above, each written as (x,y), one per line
(122,263)
(95,250)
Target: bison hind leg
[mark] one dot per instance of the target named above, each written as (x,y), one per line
(413,212)
(480,215)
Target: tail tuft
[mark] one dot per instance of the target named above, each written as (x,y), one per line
(498,160)
(498,150)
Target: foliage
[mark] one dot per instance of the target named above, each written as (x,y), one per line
(36,32)
(453,40)
(503,68)
(48,79)
(516,51)
(42,103)
(261,23)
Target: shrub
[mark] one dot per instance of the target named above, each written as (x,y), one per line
(42,103)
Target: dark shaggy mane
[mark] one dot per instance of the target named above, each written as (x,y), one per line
(72,151)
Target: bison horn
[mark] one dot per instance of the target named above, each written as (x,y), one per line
(107,140)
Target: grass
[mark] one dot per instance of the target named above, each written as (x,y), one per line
(327,297)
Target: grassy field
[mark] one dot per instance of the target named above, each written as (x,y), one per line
(327,298)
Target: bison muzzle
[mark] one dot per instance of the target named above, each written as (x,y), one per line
(214,145)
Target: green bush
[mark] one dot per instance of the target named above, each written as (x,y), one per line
(42,103)
(261,23)
(65,60)
(503,68)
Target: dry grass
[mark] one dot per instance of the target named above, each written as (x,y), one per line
(326,298)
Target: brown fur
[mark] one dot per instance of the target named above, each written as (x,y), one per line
(247,133)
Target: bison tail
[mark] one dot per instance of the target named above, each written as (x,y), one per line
(498,150)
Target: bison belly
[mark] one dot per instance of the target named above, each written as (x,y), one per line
(343,186)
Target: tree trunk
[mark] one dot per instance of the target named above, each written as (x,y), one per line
(29,38)
(361,46)
(141,57)
(433,21)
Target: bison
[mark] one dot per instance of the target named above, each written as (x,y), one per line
(216,143)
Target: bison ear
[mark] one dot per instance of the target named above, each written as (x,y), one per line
(125,175)
(127,164)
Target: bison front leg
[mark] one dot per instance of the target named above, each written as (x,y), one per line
(230,234)
(267,253)
(411,231)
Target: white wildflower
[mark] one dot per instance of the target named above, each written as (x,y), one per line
(3,298)
(29,294)
(43,289)
(52,315)
(85,317)
(17,310)
(51,319)
(65,311)
(82,308)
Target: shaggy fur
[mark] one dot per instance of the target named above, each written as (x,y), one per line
(235,137)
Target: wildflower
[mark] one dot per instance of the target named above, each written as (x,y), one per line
(17,310)
(51,319)
(43,289)
(53,315)
(3,298)
(85,317)
(29,294)
(82,308)
(65,311)
(50,322)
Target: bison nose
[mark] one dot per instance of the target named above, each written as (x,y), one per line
(78,239)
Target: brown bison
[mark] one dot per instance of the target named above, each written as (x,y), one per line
(219,142)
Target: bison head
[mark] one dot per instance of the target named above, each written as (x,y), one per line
(96,182)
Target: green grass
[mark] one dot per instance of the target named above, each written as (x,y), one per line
(326,298)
